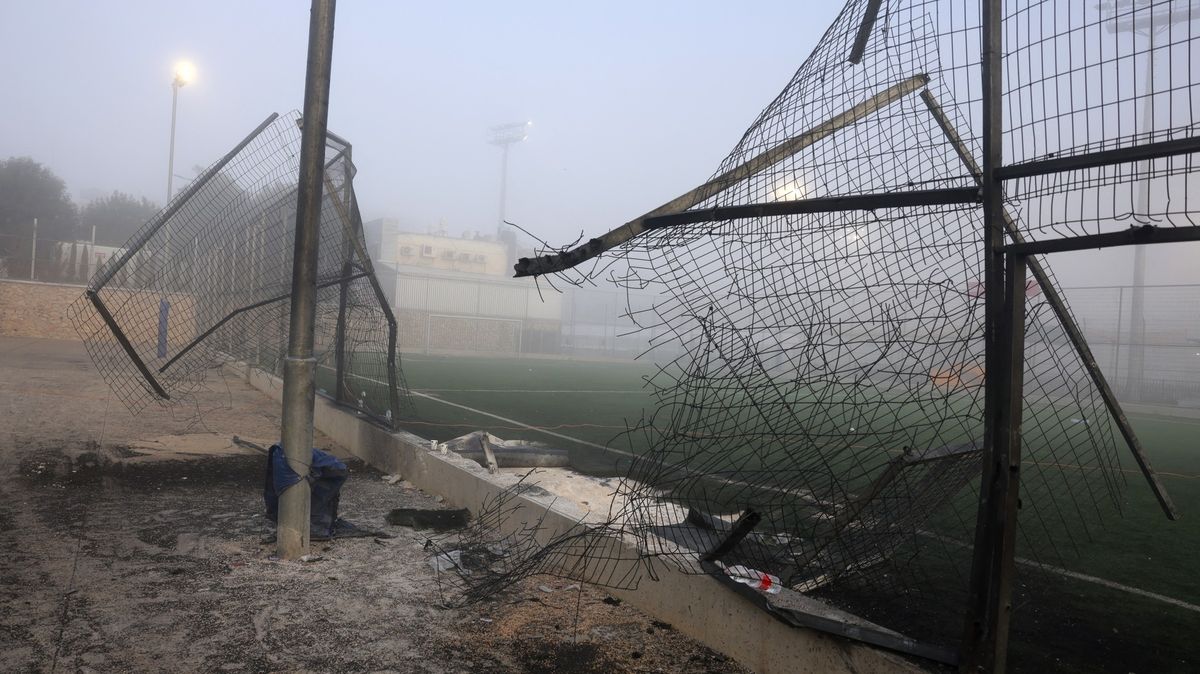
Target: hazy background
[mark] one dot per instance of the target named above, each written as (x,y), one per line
(632,102)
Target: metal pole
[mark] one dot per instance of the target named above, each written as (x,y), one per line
(1117,347)
(33,252)
(503,186)
(986,626)
(171,160)
(299,367)
(1004,511)
(1137,312)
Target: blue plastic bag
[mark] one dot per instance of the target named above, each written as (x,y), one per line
(326,474)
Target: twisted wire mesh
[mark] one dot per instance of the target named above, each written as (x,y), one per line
(830,366)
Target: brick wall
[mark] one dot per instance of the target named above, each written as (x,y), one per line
(36,309)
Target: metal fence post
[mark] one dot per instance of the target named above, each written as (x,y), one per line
(985,634)
(339,349)
(299,368)
(33,252)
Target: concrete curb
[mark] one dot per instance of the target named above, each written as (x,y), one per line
(696,605)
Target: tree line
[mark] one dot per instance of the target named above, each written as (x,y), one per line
(30,190)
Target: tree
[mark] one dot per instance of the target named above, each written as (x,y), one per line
(29,190)
(115,217)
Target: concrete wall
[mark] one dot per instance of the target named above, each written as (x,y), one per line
(697,605)
(29,309)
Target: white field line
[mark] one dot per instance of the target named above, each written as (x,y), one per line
(1076,575)
(1179,603)
(1183,421)
(1110,584)
(496,416)
(522,424)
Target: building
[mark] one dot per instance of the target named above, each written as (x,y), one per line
(472,253)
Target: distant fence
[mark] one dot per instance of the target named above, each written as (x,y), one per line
(25,258)
(1157,363)
(451,312)
(456,313)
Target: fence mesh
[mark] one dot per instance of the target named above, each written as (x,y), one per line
(207,281)
(830,392)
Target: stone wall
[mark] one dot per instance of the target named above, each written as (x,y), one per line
(29,309)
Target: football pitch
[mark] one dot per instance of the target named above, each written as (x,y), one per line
(1133,576)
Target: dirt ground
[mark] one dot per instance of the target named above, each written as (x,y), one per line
(136,544)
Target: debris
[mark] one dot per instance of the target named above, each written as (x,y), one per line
(250,445)
(311,558)
(446,561)
(611,601)
(764,582)
(489,455)
(391,479)
(477,445)
(546,588)
(438,519)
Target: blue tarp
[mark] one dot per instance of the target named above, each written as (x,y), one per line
(326,475)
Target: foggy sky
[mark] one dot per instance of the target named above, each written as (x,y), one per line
(632,102)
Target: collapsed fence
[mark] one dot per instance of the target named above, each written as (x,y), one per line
(872,383)
(876,370)
(207,279)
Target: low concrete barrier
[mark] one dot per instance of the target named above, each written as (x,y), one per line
(697,605)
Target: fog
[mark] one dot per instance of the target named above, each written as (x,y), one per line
(632,103)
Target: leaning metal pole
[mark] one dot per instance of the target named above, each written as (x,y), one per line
(299,367)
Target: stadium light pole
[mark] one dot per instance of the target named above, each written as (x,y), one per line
(184,72)
(505,135)
(299,368)
(1142,19)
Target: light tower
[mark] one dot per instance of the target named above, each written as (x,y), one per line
(184,72)
(505,135)
(1145,20)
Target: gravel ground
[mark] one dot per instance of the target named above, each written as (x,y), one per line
(136,544)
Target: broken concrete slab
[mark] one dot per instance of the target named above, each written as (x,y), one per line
(506,453)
